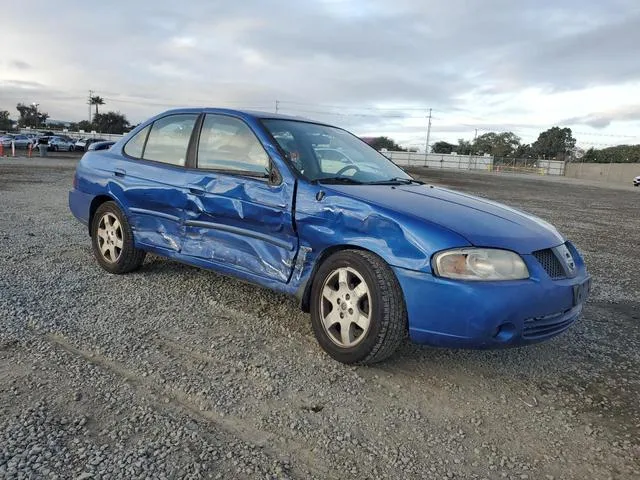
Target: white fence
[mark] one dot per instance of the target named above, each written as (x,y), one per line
(437,160)
(75,135)
(476,162)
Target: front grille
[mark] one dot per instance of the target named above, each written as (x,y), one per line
(548,325)
(550,263)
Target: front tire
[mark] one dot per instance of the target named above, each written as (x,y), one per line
(358,312)
(112,240)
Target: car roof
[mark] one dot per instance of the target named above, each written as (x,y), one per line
(246,113)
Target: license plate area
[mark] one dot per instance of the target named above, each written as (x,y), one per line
(581,292)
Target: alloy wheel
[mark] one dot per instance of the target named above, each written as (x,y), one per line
(345,307)
(110,239)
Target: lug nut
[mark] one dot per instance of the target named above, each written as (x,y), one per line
(341,315)
(346,296)
(351,311)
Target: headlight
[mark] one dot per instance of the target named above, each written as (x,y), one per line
(480,264)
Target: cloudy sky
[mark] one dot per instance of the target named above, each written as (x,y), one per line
(372,66)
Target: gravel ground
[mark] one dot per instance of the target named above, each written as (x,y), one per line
(175,372)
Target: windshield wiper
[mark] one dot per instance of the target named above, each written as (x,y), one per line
(397,181)
(347,180)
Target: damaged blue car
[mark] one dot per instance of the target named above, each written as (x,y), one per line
(310,210)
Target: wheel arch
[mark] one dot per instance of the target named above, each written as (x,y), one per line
(305,295)
(95,204)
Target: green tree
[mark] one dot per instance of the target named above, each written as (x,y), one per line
(443,147)
(30,116)
(523,151)
(83,125)
(617,154)
(97,100)
(110,122)
(5,121)
(464,147)
(497,144)
(554,143)
(385,142)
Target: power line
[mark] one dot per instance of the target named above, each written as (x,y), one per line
(343,114)
(320,105)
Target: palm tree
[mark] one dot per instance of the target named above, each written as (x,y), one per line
(97,100)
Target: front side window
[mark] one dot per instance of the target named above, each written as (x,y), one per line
(321,152)
(227,143)
(169,139)
(135,145)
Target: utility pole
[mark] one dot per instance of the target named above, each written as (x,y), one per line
(476,135)
(277,104)
(89,102)
(37,118)
(426,146)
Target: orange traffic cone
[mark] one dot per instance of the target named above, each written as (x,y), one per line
(1,150)
(30,148)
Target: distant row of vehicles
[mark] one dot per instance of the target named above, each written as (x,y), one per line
(55,143)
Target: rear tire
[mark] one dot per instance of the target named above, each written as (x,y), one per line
(112,240)
(358,311)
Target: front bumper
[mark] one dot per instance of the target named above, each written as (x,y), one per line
(458,314)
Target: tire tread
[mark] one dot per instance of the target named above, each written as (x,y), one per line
(393,330)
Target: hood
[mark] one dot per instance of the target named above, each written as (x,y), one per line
(482,222)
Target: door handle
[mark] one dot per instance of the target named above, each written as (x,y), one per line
(196,190)
(119,172)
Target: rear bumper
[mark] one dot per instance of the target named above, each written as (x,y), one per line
(80,205)
(479,315)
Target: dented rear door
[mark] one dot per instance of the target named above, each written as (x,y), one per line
(156,200)
(152,177)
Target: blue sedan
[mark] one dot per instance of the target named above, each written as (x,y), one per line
(373,254)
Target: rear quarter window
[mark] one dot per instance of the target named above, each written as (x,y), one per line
(135,146)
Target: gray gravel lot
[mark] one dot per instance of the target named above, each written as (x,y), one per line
(175,372)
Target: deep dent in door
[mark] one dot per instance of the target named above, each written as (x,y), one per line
(246,224)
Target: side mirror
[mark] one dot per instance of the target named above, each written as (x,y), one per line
(274,175)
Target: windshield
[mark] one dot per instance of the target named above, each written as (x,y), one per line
(324,153)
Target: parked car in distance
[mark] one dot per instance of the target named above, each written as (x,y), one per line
(80,144)
(101,145)
(60,144)
(93,140)
(6,140)
(636,181)
(372,253)
(22,141)
(83,143)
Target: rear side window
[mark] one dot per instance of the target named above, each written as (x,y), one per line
(227,143)
(169,139)
(134,147)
